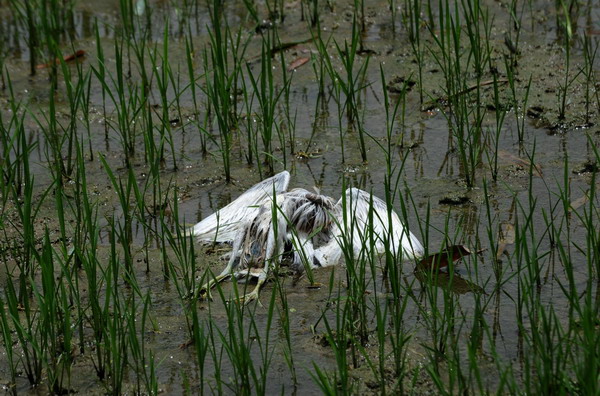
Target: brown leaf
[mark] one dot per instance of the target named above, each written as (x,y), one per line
(440,260)
(68,58)
(297,63)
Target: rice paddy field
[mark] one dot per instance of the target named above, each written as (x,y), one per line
(123,123)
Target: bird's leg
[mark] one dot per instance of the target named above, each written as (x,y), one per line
(253,295)
(204,291)
(234,260)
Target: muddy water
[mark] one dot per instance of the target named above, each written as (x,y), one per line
(431,171)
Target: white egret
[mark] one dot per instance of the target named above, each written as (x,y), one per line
(266,221)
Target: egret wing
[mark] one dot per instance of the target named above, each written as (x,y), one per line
(365,217)
(222,225)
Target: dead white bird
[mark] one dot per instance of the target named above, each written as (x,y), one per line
(266,222)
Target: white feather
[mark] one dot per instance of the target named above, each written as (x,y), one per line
(223,225)
(366,217)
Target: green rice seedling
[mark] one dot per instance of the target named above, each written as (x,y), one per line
(348,84)
(353,311)
(554,332)
(55,320)
(544,367)
(70,259)
(128,25)
(50,20)
(164,76)
(86,251)
(190,54)
(475,17)
(439,309)
(183,248)
(100,72)
(464,117)
(275,10)
(126,193)
(337,96)
(253,13)
(266,348)
(467,132)
(201,346)
(84,104)
(251,127)
(338,338)
(237,47)
(290,120)
(44,330)
(182,273)
(356,278)
(127,101)
(381,320)
(492,239)
(237,342)
(442,325)
(413,18)
(589,220)
(519,106)
(396,301)
(390,121)
(7,339)
(494,137)
(24,12)
(585,315)
(142,360)
(513,34)
(222,79)
(318,64)
(393,12)
(27,211)
(99,311)
(161,236)
(243,335)
(139,44)
(3,55)
(589,55)
(216,351)
(78,98)
(312,7)
(267,97)
(15,151)
(283,310)
(27,330)
(153,181)
(389,314)
(55,141)
(115,337)
(359,10)
(567,81)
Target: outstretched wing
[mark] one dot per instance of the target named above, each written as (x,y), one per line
(367,221)
(222,225)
